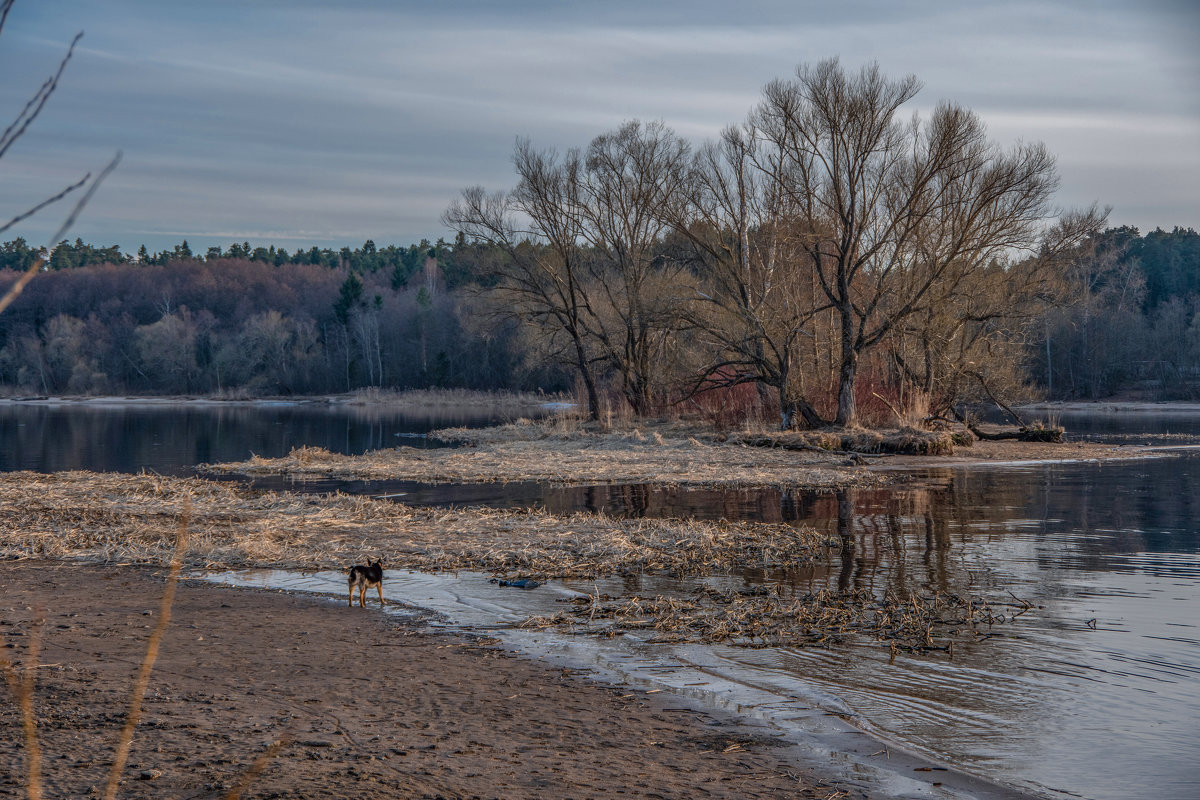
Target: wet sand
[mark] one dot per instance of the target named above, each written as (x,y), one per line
(374,705)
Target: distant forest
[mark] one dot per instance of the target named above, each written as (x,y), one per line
(254,321)
(258,321)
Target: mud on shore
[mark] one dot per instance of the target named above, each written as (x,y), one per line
(367,705)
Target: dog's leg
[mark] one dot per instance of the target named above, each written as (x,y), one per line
(350,599)
(362,596)
(379,586)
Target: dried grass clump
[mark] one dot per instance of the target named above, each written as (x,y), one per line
(773,617)
(907,441)
(110,517)
(910,441)
(307,455)
(861,441)
(1042,432)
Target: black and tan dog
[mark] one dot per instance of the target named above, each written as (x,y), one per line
(363,578)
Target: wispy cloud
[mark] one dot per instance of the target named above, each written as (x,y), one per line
(304,122)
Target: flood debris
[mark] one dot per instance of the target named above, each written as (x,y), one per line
(777,616)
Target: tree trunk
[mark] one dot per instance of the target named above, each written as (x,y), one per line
(847,412)
(796,413)
(589,382)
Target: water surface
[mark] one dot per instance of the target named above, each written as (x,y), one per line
(173,438)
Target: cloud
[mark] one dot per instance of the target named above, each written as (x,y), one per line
(329,125)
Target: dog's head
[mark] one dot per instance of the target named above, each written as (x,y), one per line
(378,563)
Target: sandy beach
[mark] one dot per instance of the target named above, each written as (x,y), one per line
(369,705)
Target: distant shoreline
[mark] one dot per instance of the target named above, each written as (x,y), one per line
(387,396)
(1114,406)
(412,397)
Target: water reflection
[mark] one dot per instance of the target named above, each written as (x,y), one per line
(171,439)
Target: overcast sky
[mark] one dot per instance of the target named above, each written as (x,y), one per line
(296,123)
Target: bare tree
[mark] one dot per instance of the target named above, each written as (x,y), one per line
(538,226)
(893,217)
(970,340)
(755,303)
(632,177)
(582,233)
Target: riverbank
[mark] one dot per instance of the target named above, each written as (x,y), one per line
(412,398)
(366,705)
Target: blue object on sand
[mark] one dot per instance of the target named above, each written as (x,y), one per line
(523,583)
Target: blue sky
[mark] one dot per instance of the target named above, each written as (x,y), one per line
(297,123)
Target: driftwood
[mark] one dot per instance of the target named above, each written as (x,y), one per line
(1032,433)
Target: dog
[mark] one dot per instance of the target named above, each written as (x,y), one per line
(363,578)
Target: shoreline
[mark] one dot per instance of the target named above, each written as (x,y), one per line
(237,670)
(365,704)
(419,398)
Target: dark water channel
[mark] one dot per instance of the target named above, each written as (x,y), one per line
(172,438)
(1094,694)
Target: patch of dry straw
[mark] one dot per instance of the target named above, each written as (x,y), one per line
(132,518)
(774,617)
(527,451)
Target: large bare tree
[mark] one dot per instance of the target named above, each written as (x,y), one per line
(582,233)
(537,225)
(893,216)
(755,304)
(632,179)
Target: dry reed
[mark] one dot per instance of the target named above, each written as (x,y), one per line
(129,519)
(138,694)
(21,684)
(772,616)
(543,451)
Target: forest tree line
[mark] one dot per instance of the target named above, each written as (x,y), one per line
(241,327)
(253,327)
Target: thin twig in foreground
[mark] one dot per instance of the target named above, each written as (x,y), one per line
(36,267)
(143,680)
(22,688)
(257,767)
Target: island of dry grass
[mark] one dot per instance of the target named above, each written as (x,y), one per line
(133,519)
(562,453)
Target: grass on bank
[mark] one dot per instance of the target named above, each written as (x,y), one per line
(562,452)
